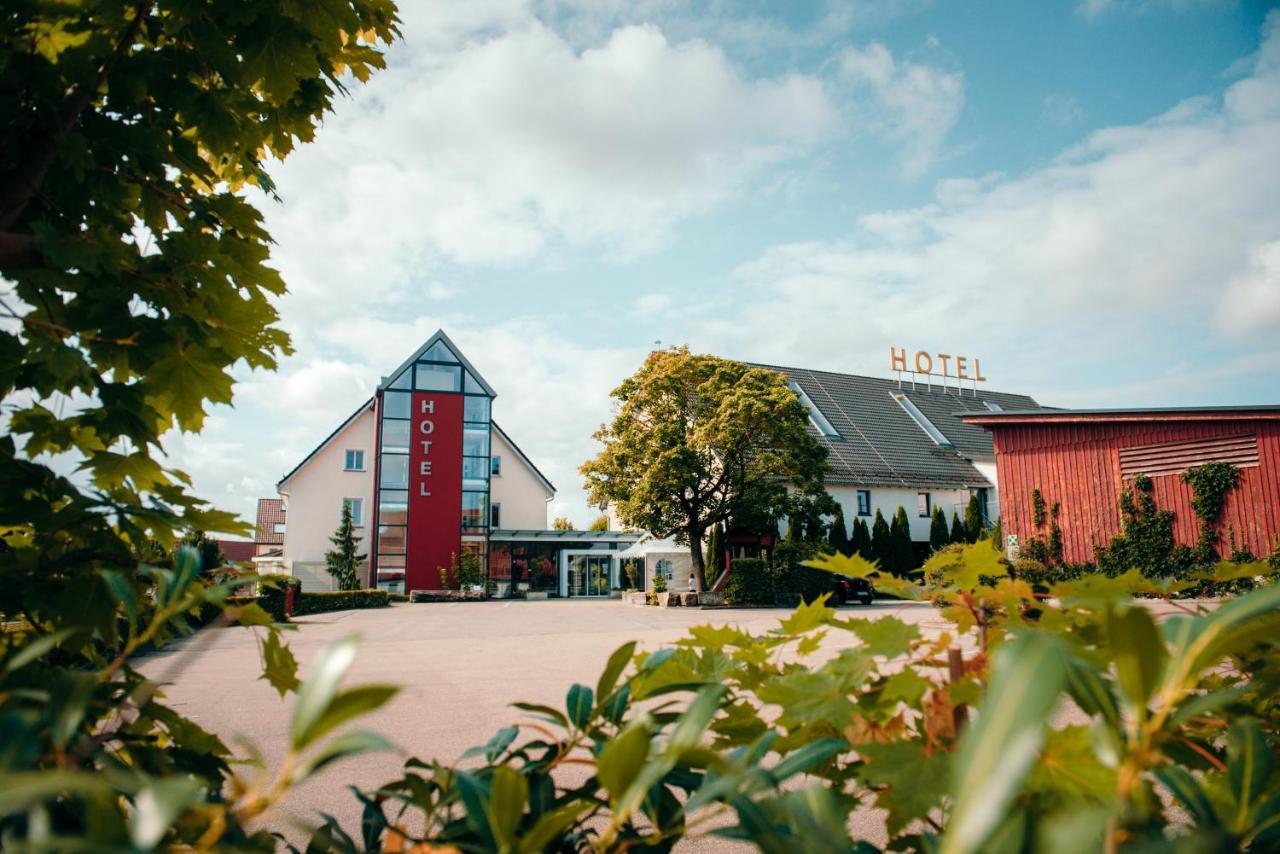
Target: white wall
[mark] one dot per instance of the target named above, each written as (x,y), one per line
(520,492)
(887,501)
(313,499)
(988,470)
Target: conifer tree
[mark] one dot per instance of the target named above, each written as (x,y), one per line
(860,542)
(958,533)
(904,557)
(713,558)
(342,561)
(939,536)
(974,524)
(838,537)
(881,544)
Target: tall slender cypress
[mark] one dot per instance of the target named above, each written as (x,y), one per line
(904,556)
(837,536)
(974,524)
(860,542)
(958,533)
(939,536)
(881,544)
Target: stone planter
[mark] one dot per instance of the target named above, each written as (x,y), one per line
(711,599)
(665,601)
(640,598)
(615,593)
(536,595)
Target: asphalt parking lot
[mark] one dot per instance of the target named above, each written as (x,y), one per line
(459,667)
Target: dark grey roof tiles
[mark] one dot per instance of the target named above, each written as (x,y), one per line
(881,445)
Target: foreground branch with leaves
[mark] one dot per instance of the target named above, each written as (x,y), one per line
(1076,722)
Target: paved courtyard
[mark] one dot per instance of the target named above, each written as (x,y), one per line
(460,666)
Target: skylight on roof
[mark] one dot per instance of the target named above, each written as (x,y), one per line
(816,418)
(993,406)
(925,424)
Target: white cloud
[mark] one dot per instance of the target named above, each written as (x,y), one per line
(515,146)
(1110,260)
(1252,301)
(915,105)
(1095,8)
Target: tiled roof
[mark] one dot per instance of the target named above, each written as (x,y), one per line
(237,550)
(270,514)
(879,444)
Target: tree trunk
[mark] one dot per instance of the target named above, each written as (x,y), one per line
(695,552)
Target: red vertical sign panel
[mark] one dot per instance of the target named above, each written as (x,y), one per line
(435,488)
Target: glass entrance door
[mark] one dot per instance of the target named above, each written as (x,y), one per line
(589,575)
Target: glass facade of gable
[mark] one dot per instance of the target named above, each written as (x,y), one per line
(438,371)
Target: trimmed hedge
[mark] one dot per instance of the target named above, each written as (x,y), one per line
(750,582)
(339,600)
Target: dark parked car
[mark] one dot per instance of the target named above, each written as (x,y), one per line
(857,590)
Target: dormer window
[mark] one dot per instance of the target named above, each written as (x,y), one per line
(816,418)
(925,424)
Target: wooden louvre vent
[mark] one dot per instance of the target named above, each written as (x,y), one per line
(1177,457)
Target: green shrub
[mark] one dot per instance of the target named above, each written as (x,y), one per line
(750,583)
(272,592)
(881,725)
(792,580)
(659,583)
(339,600)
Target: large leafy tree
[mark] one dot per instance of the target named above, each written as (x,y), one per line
(134,278)
(698,441)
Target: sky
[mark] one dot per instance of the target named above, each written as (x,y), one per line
(1084,195)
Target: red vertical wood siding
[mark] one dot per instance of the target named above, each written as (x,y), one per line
(1078,465)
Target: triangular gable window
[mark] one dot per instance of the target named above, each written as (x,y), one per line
(472,385)
(438,352)
(404,381)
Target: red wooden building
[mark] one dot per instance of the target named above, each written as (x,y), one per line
(1081,459)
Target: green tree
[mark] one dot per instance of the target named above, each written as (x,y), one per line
(562,523)
(698,441)
(939,536)
(211,556)
(342,562)
(600,523)
(882,544)
(469,573)
(860,541)
(714,558)
(904,556)
(837,535)
(136,280)
(958,532)
(974,523)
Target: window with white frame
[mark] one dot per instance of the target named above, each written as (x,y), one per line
(278,528)
(354,460)
(357,509)
(495,466)
(924,503)
(864,502)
